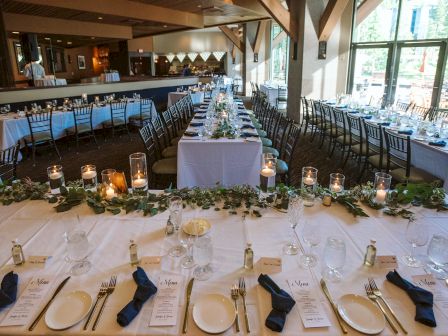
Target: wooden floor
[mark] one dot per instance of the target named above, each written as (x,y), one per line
(114,153)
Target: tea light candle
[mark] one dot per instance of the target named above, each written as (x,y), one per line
(309,181)
(89,174)
(54,175)
(267,172)
(336,187)
(139,182)
(380,196)
(110,192)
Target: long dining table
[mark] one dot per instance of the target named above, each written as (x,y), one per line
(40,229)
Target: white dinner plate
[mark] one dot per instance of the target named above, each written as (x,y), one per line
(200,224)
(214,313)
(361,314)
(68,309)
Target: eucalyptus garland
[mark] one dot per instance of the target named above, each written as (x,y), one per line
(224,130)
(248,199)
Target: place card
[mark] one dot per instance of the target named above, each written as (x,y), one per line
(387,261)
(28,302)
(166,303)
(427,281)
(150,261)
(38,260)
(270,265)
(310,308)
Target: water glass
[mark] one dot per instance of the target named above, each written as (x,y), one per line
(334,256)
(77,252)
(295,212)
(175,207)
(203,255)
(311,236)
(187,240)
(416,235)
(438,254)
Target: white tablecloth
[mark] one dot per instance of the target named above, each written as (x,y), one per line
(110,77)
(13,128)
(50,82)
(432,159)
(271,91)
(196,97)
(40,229)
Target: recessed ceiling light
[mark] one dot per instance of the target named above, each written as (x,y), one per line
(165,26)
(69,42)
(199,6)
(93,37)
(100,17)
(58,41)
(47,38)
(16,32)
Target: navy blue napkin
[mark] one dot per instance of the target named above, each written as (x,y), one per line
(8,289)
(422,299)
(145,289)
(439,143)
(243,113)
(406,132)
(245,119)
(197,124)
(282,303)
(247,127)
(192,134)
(384,124)
(367,117)
(248,135)
(200,116)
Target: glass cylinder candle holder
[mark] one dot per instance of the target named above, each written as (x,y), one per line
(268,172)
(139,173)
(309,185)
(97,100)
(109,189)
(381,186)
(89,177)
(56,178)
(84,98)
(337,182)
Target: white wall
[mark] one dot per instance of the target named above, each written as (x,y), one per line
(196,40)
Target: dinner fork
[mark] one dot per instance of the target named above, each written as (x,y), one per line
(110,289)
(242,290)
(100,295)
(234,293)
(374,298)
(378,293)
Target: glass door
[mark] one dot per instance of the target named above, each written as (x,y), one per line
(415,76)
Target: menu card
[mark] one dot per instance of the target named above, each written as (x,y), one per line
(28,302)
(428,282)
(311,310)
(166,303)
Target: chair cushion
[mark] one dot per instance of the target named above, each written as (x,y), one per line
(374,160)
(137,116)
(38,137)
(262,133)
(165,166)
(271,150)
(333,131)
(266,142)
(282,167)
(170,151)
(357,149)
(117,122)
(174,141)
(415,176)
(82,128)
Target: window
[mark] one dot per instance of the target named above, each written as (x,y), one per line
(279,54)
(57,55)
(20,57)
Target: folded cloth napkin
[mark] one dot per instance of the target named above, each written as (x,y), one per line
(248,135)
(282,303)
(439,143)
(145,289)
(422,299)
(191,134)
(243,113)
(384,123)
(406,132)
(246,119)
(8,289)
(197,124)
(367,117)
(200,116)
(247,126)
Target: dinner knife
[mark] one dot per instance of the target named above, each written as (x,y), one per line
(333,305)
(36,321)
(188,295)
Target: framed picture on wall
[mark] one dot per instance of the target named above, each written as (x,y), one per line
(81,62)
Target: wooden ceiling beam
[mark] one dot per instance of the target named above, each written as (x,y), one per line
(282,16)
(250,5)
(230,34)
(330,17)
(46,25)
(279,38)
(128,9)
(259,36)
(365,9)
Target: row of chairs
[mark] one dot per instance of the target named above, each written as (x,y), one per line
(371,144)
(282,94)
(41,124)
(425,113)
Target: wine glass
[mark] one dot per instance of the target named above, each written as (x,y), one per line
(187,235)
(334,256)
(175,207)
(77,252)
(438,254)
(431,130)
(295,211)
(311,236)
(416,235)
(203,254)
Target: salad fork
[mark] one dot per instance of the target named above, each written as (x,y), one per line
(242,290)
(374,298)
(234,293)
(378,293)
(110,289)
(101,293)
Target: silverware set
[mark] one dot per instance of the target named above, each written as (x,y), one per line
(235,292)
(324,287)
(106,289)
(374,294)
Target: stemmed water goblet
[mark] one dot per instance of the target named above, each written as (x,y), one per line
(438,254)
(416,235)
(431,130)
(311,236)
(175,207)
(77,252)
(334,256)
(203,255)
(295,212)
(188,233)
